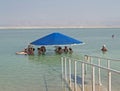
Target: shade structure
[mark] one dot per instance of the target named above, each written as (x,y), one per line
(56,39)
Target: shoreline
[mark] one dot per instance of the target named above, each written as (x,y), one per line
(47,27)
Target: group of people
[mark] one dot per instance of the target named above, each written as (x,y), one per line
(59,50)
(30,50)
(66,50)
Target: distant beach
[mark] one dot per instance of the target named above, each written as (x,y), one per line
(47,27)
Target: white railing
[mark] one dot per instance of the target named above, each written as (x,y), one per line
(99,59)
(71,66)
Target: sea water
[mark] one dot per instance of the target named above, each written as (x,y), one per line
(43,73)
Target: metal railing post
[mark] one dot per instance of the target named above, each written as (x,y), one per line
(75,74)
(70,72)
(109,81)
(83,79)
(65,70)
(99,73)
(108,63)
(93,78)
(62,67)
(109,76)
(86,58)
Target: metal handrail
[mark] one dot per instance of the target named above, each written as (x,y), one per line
(105,68)
(64,70)
(102,58)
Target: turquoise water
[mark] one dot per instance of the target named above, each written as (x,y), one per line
(43,73)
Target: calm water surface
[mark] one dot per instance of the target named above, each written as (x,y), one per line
(43,73)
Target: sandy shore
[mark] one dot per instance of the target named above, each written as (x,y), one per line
(37,27)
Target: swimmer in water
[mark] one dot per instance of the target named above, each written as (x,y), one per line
(104,49)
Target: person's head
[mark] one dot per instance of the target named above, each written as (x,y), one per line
(104,45)
(33,49)
(59,48)
(65,46)
(38,48)
(70,49)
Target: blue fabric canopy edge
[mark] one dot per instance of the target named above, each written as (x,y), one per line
(56,39)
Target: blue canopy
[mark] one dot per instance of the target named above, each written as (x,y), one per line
(56,39)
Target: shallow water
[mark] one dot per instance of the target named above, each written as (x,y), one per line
(40,73)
